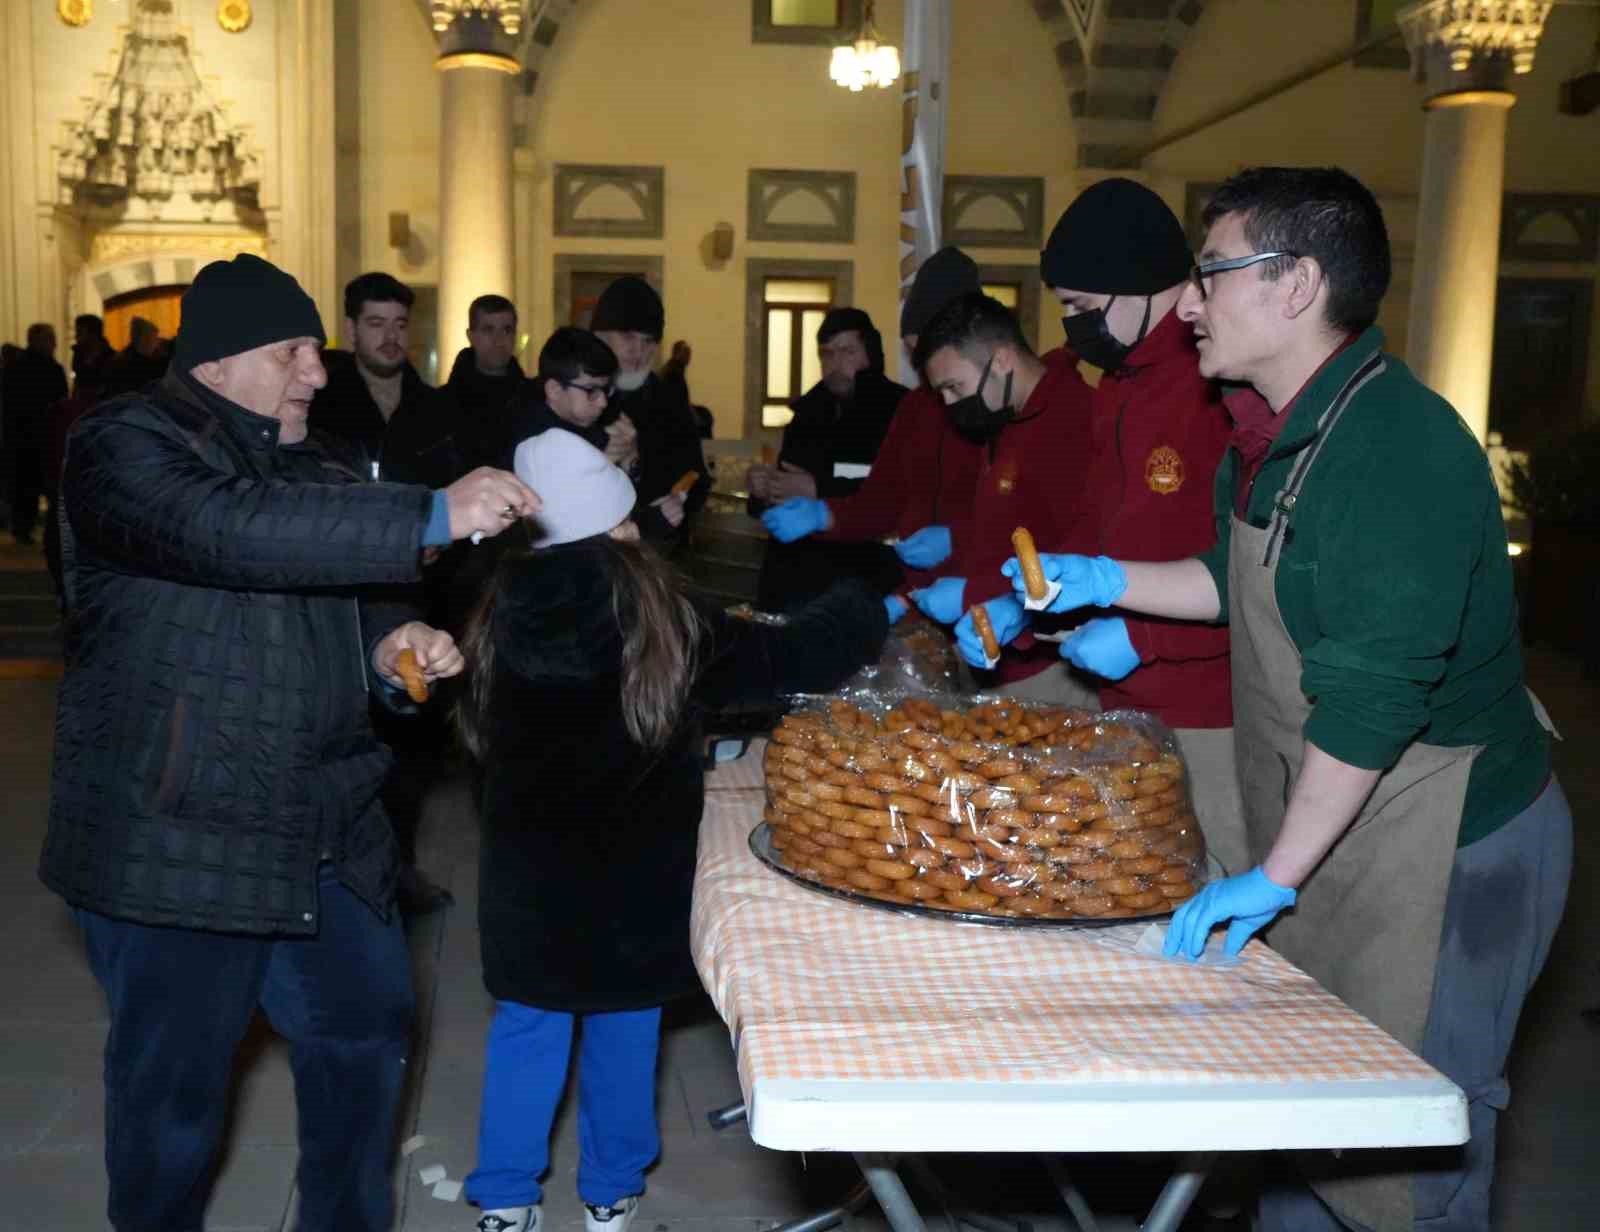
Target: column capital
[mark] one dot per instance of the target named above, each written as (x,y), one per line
(1472,45)
(478,28)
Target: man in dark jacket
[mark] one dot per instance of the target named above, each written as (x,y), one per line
(650,427)
(392,426)
(214,813)
(485,380)
(142,361)
(93,371)
(828,450)
(926,472)
(375,402)
(34,382)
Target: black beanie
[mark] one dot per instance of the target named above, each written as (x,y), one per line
(630,305)
(945,276)
(239,305)
(1117,238)
(842,320)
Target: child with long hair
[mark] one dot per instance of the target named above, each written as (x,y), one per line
(588,664)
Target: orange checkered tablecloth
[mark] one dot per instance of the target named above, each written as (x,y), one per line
(816,988)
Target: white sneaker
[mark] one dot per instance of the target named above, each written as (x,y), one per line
(610,1218)
(512,1219)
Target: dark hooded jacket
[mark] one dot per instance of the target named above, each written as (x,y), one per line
(669,448)
(588,839)
(837,444)
(212,741)
(480,407)
(417,444)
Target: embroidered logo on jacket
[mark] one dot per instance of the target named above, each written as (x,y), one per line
(1005,481)
(1163,470)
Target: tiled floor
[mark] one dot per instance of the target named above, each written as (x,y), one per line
(52,1027)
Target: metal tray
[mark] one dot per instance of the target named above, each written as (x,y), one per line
(761,848)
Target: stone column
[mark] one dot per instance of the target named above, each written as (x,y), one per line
(1466,51)
(477,65)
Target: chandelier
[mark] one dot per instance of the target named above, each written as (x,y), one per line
(867,61)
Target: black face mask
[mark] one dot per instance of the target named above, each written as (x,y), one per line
(1090,337)
(972,417)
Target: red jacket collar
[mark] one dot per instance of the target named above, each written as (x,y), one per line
(1172,340)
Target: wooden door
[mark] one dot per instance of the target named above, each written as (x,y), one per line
(159,305)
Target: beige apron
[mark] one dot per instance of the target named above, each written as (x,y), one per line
(1367,922)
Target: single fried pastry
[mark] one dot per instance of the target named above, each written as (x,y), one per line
(410,672)
(1028,561)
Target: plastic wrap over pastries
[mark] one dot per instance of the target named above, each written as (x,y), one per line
(990,806)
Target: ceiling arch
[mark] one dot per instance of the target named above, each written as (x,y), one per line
(1114,57)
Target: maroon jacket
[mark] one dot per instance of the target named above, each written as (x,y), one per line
(924,475)
(1157,433)
(1030,475)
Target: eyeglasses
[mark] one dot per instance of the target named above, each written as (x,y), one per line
(595,393)
(1199,273)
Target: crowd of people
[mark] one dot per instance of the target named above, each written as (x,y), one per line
(1220,466)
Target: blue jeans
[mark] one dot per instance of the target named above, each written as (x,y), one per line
(1507,892)
(180,1001)
(523,1078)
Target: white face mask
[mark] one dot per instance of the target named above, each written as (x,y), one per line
(629,381)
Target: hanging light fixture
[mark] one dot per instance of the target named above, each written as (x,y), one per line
(867,61)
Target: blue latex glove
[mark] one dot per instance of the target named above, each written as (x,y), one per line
(930,546)
(1085,580)
(1250,901)
(1009,620)
(1103,647)
(797,518)
(942,600)
(896,607)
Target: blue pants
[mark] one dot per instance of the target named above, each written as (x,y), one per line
(523,1079)
(1507,892)
(180,1001)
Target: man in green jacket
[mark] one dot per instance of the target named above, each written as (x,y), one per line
(1394,769)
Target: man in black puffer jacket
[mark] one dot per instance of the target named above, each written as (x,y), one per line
(214,813)
(651,432)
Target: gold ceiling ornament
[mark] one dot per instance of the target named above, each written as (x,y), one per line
(75,12)
(233,15)
(507,14)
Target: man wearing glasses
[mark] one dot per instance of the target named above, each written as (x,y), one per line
(1118,262)
(1394,771)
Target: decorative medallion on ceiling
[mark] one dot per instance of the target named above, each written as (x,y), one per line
(233,15)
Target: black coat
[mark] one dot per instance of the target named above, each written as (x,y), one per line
(824,436)
(480,408)
(589,842)
(417,444)
(669,448)
(33,383)
(530,414)
(212,738)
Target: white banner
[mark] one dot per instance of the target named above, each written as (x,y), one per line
(925,94)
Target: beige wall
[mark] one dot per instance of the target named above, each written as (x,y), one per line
(708,112)
(721,106)
(1369,121)
(389,143)
(1009,115)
